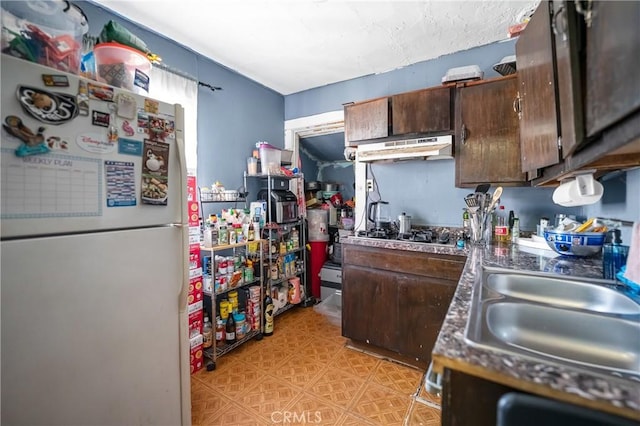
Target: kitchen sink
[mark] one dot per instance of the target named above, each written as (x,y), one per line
(580,337)
(567,293)
(577,322)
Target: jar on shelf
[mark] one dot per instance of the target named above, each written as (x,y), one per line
(248,272)
(225,308)
(240,325)
(233,300)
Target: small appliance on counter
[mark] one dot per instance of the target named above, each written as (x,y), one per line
(285,205)
(379,214)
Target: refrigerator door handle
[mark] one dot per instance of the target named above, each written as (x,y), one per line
(184,287)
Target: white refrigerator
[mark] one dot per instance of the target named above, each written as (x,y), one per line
(94,253)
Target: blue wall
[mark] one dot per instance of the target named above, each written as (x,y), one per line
(426,190)
(230,121)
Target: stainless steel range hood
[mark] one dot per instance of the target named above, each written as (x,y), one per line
(432,148)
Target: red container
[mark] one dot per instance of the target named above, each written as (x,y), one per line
(319,255)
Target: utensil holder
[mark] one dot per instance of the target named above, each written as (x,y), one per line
(479,222)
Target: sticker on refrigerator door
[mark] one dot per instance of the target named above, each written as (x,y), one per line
(83,98)
(56,143)
(129,147)
(96,143)
(126,106)
(55,80)
(32,142)
(155,172)
(99,118)
(128,130)
(120,183)
(151,106)
(143,122)
(100,92)
(141,80)
(48,107)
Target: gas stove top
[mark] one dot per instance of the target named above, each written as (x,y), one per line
(415,235)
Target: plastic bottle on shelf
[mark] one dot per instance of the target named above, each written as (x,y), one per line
(256,228)
(515,231)
(223,234)
(268,315)
(232,235)
(248,272)
(295,238)
(501,230)
(220,334)
(207,333)
(465,224)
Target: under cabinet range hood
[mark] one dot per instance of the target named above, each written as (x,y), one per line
(431,148)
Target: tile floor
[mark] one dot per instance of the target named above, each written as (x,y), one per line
(305,374)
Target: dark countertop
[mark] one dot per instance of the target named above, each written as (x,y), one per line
(530,374)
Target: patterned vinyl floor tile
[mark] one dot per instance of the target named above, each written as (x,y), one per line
(305,374)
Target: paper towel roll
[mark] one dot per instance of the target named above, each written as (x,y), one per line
(581,191)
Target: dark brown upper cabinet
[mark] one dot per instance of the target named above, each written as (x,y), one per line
(613,63)
(422,111)
(579,95)
(487,133)
(366,120)
(567,41)
(537,93)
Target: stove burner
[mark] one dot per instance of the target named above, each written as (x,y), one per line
(427,236)
(419,236)
(382,233)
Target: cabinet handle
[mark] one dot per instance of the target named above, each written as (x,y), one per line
(560,28)
(517,106)
(587,11)
(463,134)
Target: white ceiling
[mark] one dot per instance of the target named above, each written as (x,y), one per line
(294,45)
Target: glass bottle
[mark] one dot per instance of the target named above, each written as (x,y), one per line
(268,316)
(252,232)
(465,224)
(207,333)
(230,329)
(220,338)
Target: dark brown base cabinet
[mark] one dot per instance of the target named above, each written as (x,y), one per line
(396,300)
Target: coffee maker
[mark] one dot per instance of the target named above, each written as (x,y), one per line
(378,213)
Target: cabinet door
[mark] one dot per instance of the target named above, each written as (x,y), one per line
(369,306)
(422,111)
(366,120)
(536,86)
(422,306)
(568,38)
(487,138)
(613,63)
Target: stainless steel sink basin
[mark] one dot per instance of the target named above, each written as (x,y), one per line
(561,292)
(578,337)
(581,323)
